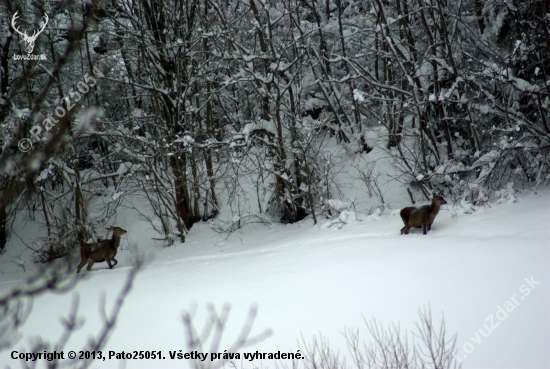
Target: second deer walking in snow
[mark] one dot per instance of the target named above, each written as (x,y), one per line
(101,251)
(421,217)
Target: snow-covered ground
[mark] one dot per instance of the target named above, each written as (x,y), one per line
(313,279)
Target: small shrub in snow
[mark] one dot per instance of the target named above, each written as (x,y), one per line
(464,207)
(390,348)
(228,228)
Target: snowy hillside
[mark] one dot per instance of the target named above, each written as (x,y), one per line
(308,280)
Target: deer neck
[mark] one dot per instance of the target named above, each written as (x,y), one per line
(116,241)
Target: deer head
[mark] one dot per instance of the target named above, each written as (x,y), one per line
(29,40)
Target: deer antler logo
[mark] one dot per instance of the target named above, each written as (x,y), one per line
(29,40)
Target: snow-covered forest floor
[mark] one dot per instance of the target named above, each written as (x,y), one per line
(317,280)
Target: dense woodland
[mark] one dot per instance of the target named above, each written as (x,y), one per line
(179,101)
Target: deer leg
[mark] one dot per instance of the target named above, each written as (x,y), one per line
(82,263)
(108,259)
(405,229)
(429,227)
(424,228)
(115,260)
(90,265)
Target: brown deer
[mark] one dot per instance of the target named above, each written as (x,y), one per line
(101,251)
(422,217)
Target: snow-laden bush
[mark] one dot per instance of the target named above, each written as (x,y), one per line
(389,348)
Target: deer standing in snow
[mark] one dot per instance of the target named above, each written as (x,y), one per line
(421,217)
(101,251)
